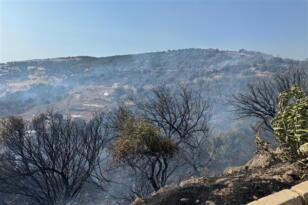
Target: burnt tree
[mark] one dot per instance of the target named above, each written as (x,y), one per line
(50,158)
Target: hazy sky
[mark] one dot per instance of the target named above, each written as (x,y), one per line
(54,28)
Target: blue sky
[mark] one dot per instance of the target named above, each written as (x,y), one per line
(53,28)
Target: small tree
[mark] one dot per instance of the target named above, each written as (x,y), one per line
(291,122)
(182,115)
(260,101)
(50,158)
(144,150)
(172,141)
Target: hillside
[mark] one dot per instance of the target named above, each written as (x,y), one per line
(259,177)
(81,85)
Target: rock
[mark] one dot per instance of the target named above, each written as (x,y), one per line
(291,172)
(230,184)
(303,149)
(262,160)
(290,175)
(221,180)
(193,181)
(185,201)
(138,201)
(161,190)
(233,170)
(239,188)
(287,178)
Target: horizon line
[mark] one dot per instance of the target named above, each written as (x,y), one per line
(149,52)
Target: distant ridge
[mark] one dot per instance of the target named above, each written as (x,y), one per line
(32,85)
(145,53)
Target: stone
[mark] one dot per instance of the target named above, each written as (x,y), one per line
(185,201)
(138,201)
(161,190)
(233,170)
(260,161)
(193,181)
(303,149)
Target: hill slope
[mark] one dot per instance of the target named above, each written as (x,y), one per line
(81,85)
(260,177)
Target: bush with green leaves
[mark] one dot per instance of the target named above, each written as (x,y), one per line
(138,137)
(141,146)
(291,123)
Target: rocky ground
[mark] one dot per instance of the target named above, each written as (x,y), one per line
(259,177)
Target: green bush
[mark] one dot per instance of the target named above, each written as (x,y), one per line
(140,138)
(291,122)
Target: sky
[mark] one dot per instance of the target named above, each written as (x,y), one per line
(34,29)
